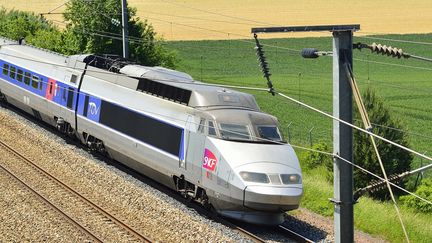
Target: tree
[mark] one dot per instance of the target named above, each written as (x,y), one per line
(36,30)
(396,160)
(96,25)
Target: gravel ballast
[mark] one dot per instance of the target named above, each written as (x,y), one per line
(142,207)
(149,211)
(24,217)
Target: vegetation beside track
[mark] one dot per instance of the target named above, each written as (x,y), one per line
(404,84)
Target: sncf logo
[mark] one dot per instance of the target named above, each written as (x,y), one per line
(209,161)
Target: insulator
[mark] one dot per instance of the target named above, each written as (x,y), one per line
(309,53)
(258,46)
(260,56)
(263,64)
(386,50)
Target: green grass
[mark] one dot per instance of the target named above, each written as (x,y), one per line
(373,217)
(406,91)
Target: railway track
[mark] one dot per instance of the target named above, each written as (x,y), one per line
(294,235)
(93,221)
(249,234)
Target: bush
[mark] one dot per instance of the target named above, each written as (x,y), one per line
(315,159)
(395,160)
(424,191)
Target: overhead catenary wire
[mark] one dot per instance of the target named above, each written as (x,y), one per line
(138,40)
(248,88)
(197,18)
(295,146)
(400,130)
(354,126)
(215,13)
(226,33)
(393,64)
(111,35)
(281,94)
(394,40)
(368,126)
(302,148)
(54,9)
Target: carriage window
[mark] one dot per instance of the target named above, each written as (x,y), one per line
(64,94)
(35,82)
(201,125)
(27,77)
(73,79)
(19,76)
(5,69)
(12,72)
(211,128)
(234,131)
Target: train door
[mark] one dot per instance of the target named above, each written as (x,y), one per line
(195,148)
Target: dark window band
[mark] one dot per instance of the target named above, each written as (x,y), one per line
(146,129)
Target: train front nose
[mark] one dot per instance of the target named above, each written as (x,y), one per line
(271,198)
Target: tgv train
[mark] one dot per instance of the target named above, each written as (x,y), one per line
(211,144)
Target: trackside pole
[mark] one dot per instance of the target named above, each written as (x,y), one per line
(342,109)
(125,29)
(342,139)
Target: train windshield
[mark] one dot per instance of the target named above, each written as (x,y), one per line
(234,131)
(269,133)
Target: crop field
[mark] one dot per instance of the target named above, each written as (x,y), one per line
(194,20)
(215,48)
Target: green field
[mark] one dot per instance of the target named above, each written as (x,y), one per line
(406,87)
(404,84)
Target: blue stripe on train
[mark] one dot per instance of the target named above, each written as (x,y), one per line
(60,94)
(60,90)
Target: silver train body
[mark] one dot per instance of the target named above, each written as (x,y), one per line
(209,143)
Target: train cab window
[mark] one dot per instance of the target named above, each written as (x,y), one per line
(234,131)
(211,129)
(12,72)
(269,133)
(5,69)
(19,75)
(27,78)
(35,81)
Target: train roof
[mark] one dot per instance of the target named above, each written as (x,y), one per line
(170,84)
(165,83)
(22,50)
(201,94)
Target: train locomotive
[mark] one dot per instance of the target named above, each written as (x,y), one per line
(211,144)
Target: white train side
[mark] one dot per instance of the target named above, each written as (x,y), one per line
(209,143)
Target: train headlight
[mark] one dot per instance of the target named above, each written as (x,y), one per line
(290,178)
(254,177)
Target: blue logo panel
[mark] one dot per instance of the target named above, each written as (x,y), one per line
(94,108)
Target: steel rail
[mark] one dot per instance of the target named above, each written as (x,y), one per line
(50,205)
(75,193)
(294,235)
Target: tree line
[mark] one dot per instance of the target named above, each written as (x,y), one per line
(90,27)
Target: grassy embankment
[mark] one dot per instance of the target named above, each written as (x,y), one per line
(406,90)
